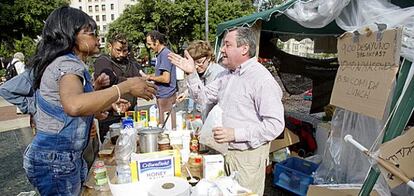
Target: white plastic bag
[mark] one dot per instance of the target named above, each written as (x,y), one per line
(214,119)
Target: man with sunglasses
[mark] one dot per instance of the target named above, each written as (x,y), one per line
(118,66)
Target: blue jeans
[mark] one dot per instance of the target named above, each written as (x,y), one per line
(55,173)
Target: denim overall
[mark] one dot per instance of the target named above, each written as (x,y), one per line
(53,161)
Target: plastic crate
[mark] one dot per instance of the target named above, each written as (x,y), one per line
(294,174)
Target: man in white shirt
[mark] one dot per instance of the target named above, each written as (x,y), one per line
(250,97)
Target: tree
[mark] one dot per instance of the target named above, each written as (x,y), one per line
(22,21)
(182,21)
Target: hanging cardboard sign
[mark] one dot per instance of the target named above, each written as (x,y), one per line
(368,64)
(400,152)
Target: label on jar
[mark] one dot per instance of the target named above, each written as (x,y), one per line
(100,176)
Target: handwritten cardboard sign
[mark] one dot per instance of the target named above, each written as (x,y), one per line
(400,152)
(368,65)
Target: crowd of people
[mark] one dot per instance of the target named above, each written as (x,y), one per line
(63,89)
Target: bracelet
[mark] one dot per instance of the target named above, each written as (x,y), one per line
(119,92)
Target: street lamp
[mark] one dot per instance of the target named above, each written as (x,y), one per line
(206,20)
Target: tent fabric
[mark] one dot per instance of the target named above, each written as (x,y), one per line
(275,20)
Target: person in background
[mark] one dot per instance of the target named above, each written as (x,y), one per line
(118,66)
(67,103)
(251,102)
(207,70)
(165,76)
(18,62)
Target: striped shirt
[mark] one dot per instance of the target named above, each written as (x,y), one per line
(251,101)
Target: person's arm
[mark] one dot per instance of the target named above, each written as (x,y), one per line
(77,103)
(18,91)
(268,104)
(203,94)
(163,78)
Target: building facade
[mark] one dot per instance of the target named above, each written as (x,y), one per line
(103,12)
(304,48)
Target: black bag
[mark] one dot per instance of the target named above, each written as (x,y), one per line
(11,71)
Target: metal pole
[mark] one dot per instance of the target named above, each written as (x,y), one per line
(206,20)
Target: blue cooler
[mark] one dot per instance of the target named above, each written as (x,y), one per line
(294,175)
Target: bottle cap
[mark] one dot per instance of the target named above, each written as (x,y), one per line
(127,123)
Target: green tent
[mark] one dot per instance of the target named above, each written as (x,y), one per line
(274,20)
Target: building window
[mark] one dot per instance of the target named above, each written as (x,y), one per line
(103,7)
(80,0)
(80,7)
(96,8)
(98,28)
(97,18)
(89,0)
(96,0)
(112,6)
(104,28)
(90,8)
(112,17)
(104,18)
(102,39)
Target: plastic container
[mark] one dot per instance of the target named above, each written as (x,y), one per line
(294,174)
(100,175)
(197,123)
(125,146)
(123,172)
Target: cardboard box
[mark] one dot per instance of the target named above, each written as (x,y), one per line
(213,166)
(289,139)
(337,190)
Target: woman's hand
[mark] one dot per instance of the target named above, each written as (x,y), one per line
(101,115)
(186,64)
(121,106)
(92,133)
(101,81)
(140,87)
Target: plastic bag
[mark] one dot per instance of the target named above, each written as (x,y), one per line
(214,119)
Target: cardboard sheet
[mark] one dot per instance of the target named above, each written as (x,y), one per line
(368,66)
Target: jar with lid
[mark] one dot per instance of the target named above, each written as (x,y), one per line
(164,142)
(195,164)
(100,175)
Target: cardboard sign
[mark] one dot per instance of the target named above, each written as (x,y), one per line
(400,152)
(368,64)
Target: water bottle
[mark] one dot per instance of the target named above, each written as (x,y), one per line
(123,172)
(190,105)
(125,146)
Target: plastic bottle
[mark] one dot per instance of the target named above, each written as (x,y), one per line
(125,146)
(100,175)
(194,144)
(197,123)
(153,116)
(190,105)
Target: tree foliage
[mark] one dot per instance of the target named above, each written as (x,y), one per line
(21,21)
(180,20)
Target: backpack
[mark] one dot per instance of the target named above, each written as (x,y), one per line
(11,71)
